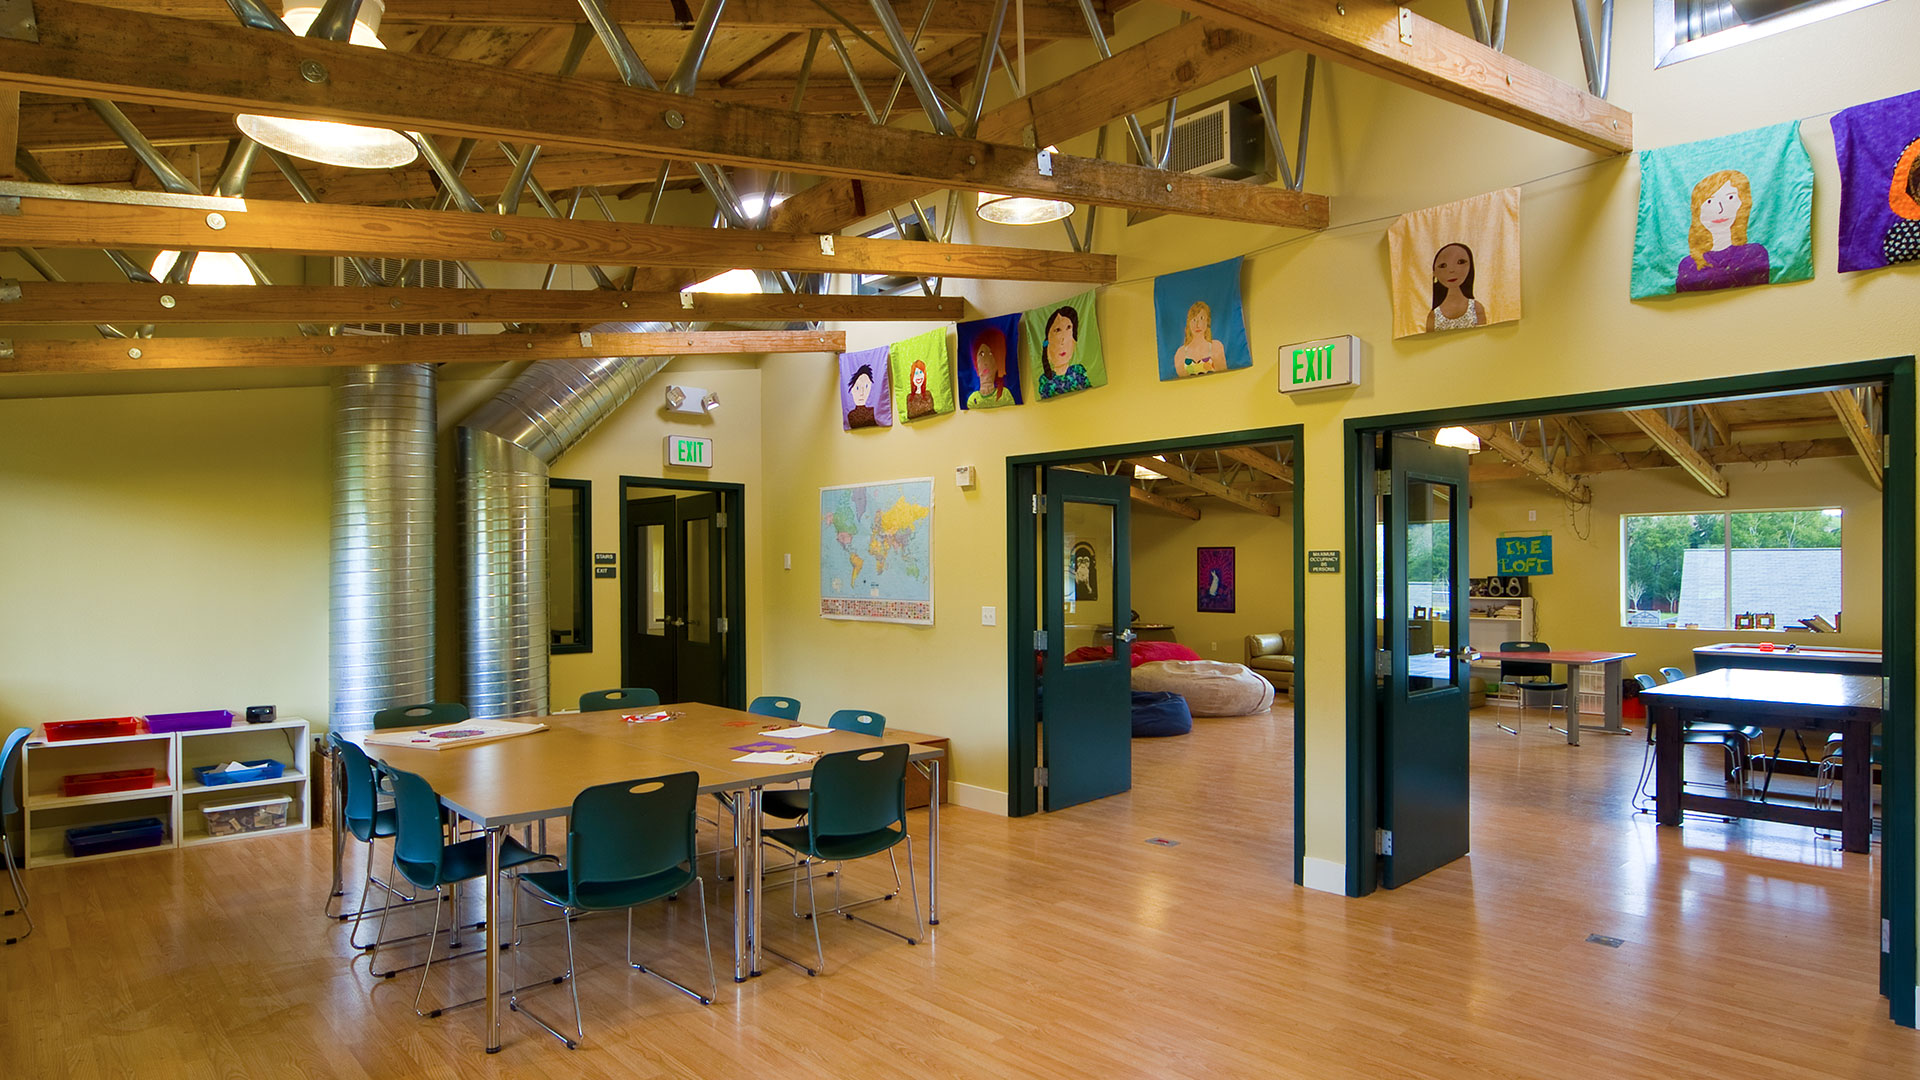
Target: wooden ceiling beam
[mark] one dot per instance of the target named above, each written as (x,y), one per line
(1259,462)
(1206,484)
(1675,445)
(255,225)
(1859,432)
(1716,419)
(1186,57)
(1170,506)
(1641,460)
(41,357)
(49,304)
(1579,435)
(83,54)
(1498,439)
(1385,39)
(1046,20)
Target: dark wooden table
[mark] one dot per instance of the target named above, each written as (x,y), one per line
(1806,701)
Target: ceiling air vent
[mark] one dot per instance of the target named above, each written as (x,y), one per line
(1221,140)
(417,273)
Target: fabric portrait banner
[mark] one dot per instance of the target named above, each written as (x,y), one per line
(866,400)
(1724,213)
(989,366)
(1879,149)
(1198,321)
(1061,343)
(1456,266)
(922,376)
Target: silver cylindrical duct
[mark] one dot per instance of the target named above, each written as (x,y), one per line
(381,640)
(505,449)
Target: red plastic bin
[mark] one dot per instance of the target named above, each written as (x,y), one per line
(100,783)
(105,728)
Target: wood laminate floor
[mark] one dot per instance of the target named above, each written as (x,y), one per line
(1070,947)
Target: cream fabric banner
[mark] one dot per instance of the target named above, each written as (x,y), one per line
(1456,266)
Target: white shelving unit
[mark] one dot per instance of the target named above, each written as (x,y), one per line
(175,797)
(1489,624)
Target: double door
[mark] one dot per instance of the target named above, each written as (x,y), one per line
(676,624)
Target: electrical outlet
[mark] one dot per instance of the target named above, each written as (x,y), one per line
(786,562)
(1533,515)
(989,616)
(1213,647)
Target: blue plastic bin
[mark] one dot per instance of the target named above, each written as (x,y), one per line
(210,776)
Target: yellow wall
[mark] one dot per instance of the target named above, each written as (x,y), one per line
(1578,605)
(1165,588)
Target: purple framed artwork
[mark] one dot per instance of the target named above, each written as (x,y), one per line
(1215,579)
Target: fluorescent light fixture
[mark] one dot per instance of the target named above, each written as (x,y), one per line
(1457,437)
(209,268)
(735,281)
(349,145)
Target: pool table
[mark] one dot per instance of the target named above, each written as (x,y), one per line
(1788,656)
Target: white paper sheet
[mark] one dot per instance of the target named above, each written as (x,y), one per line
(776,757)
(797,731)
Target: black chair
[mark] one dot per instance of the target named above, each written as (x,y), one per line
(1737,741)
(10,800)
(1537,676)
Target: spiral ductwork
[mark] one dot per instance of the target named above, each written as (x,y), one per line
(381,609)
(505,449)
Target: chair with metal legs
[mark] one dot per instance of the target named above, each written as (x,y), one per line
(625,697)
(628,844)
(857,807)
(783,708)
(9,806)
(790,804)
(1736,741)
(422,855)
(425,714)
(1512,671)
(363,818)
(1833,765)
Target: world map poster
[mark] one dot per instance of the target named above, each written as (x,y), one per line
(876,551)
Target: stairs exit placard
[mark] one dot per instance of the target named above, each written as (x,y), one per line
(689,452)
(1320,365)
(1520,556)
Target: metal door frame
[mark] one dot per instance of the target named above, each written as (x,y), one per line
(733,504)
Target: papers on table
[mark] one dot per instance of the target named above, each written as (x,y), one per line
(797,731)
(777,757)
(465,733)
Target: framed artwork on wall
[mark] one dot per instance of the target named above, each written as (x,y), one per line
(1215,579)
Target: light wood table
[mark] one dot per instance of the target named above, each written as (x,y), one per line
(532,778)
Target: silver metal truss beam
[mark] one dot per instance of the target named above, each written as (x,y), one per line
(1140,142)
(946,99)
(1598,59)
(909,64)
(553,210)
(509,202)
(859,88)
(983,67)
(1293,176)
(900,80)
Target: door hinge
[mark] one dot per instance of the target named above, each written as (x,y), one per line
(1886,936)
(720,520)
(1039,776)
(1382,482)
(1886,443)
(1039,641)
(1383,841)
(1039,504)
(720,625)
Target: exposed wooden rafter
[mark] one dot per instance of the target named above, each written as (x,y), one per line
(46,303)
(1716,419)
(1162,503)
(81,54)
(1675,445)
(1258,462)
(1385,39)
(1640,460)
(39,357)
(1207,485)
(1859,432)
(1498,439)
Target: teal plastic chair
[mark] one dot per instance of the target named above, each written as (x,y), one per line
(422,855)
(784,708)
(627,697)
(791,804)
(628,844)
(363,818)
(425,714)
(9,806)
(1735,740)
(856,808)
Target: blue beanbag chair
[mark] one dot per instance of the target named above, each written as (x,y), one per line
(1157,713)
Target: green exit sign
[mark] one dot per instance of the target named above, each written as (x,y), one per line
(1320,365)
(688,452)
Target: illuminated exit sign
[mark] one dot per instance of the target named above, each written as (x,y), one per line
(688,452)
(1320,365)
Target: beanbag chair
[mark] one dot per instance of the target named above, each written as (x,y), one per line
(1159,714)
(1143,652)
(1211,687)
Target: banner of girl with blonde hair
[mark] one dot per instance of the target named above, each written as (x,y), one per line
(1724,213)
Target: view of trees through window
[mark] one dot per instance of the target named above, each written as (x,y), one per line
(1759,569)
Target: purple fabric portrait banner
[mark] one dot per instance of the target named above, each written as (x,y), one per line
(1878,145)
(866,393)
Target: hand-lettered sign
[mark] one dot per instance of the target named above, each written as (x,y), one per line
(1521,556)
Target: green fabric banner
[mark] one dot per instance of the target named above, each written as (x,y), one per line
(1724,213)
(922,376)
(1062,347)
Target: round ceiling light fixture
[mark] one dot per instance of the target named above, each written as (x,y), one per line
(209,268)
(350,145)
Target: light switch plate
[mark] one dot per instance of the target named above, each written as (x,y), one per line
(989,616)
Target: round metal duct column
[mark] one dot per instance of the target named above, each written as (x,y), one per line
(381,640)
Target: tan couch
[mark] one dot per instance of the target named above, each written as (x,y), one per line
(1271,657)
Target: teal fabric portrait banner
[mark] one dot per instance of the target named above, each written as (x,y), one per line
(1724,213)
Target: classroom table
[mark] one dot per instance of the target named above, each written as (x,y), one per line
(1574,659)
(531,778)
(1801,700)
(1788,656)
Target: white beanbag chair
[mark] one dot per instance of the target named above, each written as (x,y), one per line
(1211,687)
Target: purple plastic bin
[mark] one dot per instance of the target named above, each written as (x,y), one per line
(203,720)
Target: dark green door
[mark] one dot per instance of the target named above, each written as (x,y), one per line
(701,659)
(1086,716)
(1423,704)
(676,597)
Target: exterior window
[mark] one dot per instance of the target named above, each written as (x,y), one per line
(569,580)
(910,228)
(1746,570)
(1684,29)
